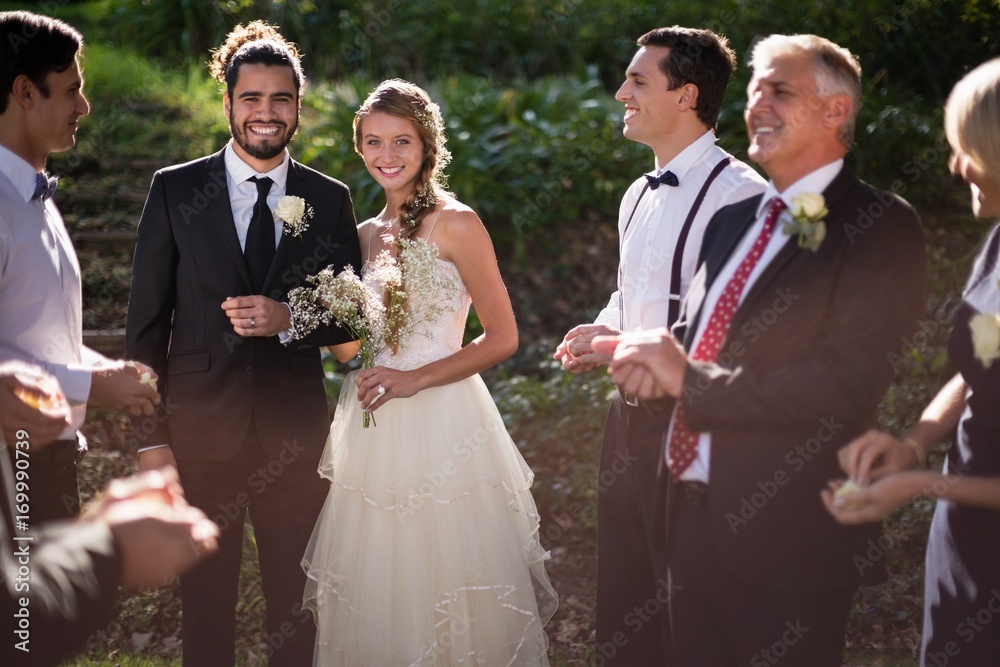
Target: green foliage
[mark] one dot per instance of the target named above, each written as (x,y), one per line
(917,45)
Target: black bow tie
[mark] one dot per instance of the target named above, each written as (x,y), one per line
(666,177)
(45,186)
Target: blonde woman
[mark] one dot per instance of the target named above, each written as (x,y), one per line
(962,588)
(427,550)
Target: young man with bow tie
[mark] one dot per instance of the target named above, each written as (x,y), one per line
(673,92)
(41,320)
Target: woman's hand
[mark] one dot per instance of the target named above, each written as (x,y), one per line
(875,455)
(875,502)
(378,385)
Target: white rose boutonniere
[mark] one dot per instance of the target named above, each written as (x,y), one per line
(294,212)
(985,338)
(808,211)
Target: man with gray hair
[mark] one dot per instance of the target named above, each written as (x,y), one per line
(780,357)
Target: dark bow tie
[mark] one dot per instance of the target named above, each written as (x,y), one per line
(45,186)
(667,177)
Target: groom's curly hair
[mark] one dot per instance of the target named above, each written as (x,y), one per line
(254,43)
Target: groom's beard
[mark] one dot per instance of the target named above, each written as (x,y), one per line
(263,148)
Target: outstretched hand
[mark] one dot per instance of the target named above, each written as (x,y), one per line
(119,385)
(159,535)
(875,502)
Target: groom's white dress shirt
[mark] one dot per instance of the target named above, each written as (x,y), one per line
(648,244)
(41,311)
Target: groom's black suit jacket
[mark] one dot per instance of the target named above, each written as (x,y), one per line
(806,361)
(188,260)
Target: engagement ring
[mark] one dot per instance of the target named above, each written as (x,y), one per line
(253,322)
(381,390)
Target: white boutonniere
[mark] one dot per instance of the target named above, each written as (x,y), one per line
(807,212)
(985,337)
(294,212)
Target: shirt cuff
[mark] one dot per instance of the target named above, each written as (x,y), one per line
(285,335)
(74,380)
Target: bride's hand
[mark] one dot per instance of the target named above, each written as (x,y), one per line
(378,385)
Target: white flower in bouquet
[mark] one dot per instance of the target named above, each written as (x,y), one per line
(376,311)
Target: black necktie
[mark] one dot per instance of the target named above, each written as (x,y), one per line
(666,177)
(45,186)
(259,248)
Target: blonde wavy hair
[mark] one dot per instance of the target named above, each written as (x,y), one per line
(411,102)
(972,116)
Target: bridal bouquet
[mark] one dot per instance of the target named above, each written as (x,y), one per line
(375,310)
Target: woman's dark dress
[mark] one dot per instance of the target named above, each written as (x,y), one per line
(962,586)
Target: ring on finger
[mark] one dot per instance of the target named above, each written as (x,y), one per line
(381,390)
(253,322)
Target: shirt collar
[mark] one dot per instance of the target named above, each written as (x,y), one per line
(815,182)
(20,173)
(687,158)
(240,171)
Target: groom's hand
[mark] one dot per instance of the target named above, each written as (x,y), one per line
(257,315)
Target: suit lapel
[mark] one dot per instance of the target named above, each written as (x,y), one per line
(736,223)
(834,193)
(296,185)
(222,211)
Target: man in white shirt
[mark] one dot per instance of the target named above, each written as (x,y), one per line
(782,353)
(247,413)
(672,93)
(41,100)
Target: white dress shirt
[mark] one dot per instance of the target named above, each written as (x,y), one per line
(41,300)
(647,246)
(816,182)
(243,192)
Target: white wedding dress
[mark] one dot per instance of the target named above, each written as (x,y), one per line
(427,551)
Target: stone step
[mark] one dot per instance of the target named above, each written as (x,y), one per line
(109,342)
(103,238)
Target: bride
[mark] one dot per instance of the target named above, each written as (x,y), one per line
(427,550)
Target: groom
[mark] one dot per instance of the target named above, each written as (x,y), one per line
(781,356)
(245,417)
